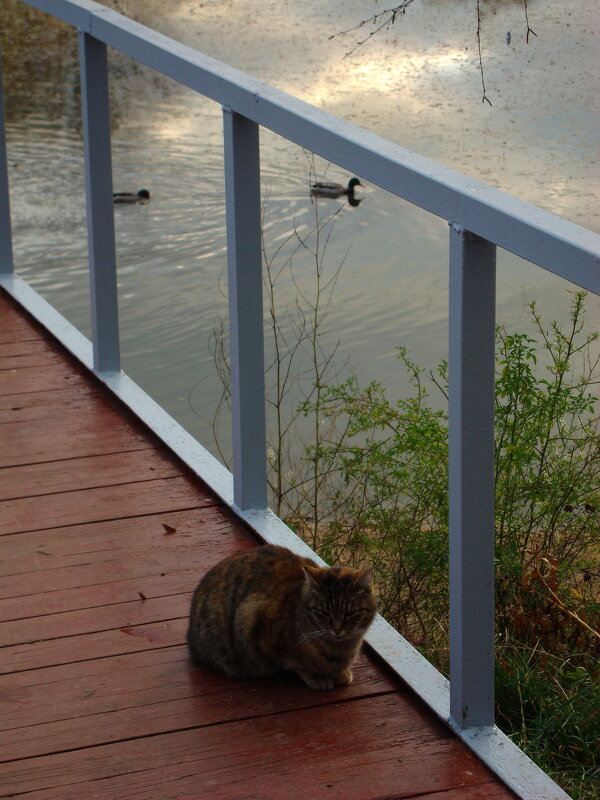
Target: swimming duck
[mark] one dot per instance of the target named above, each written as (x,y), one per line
(334,189)
(129,197)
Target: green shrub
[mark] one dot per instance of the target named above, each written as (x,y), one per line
(371,487)
(383,499)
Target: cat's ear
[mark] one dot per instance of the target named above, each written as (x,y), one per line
(312,575)
(365,579)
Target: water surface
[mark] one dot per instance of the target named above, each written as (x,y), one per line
(417,84)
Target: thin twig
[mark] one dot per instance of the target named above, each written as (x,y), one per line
(529,30)
(485,98)
(388,15)
(558,602)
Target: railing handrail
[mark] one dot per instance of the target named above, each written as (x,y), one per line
(545,239)
(480,218)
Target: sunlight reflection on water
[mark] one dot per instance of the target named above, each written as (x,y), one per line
(424,94)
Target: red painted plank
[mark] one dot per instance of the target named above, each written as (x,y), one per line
(92,620)
(365,749)
(162,564)
(17,326)
(81,433)
(39,346)
(53,405)
(40,379)
(87,473)
(485,791)
(206,529)
(89,646)
(106,502)
(143,694)
(177,580)
(38,353)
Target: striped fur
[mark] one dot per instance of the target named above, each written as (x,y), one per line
(268,610)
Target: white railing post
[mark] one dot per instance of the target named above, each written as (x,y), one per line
(100,215)
(6,253)
(471,478)
(244,261)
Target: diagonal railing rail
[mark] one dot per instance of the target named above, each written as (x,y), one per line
(481,218)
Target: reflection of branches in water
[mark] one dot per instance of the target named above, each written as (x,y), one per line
(387,17)
(527,21)
(383,19)
(485,98)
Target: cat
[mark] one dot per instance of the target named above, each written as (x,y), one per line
(268,610)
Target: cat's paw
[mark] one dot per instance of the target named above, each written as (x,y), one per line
(343,678)
(320,683)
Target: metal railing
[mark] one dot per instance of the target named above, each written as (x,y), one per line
(481,219)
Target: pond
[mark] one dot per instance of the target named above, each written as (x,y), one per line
(418,84)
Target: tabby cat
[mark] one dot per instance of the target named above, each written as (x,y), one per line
(268,610)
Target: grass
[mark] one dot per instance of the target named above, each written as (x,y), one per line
(549,705)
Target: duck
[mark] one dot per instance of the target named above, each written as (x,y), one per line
(334,189)
(129,197)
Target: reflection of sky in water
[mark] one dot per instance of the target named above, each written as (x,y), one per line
(418,85)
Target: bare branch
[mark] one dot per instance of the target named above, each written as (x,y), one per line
(485,98)
(383,19)
(529,30)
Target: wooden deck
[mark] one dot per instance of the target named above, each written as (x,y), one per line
(97,697)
